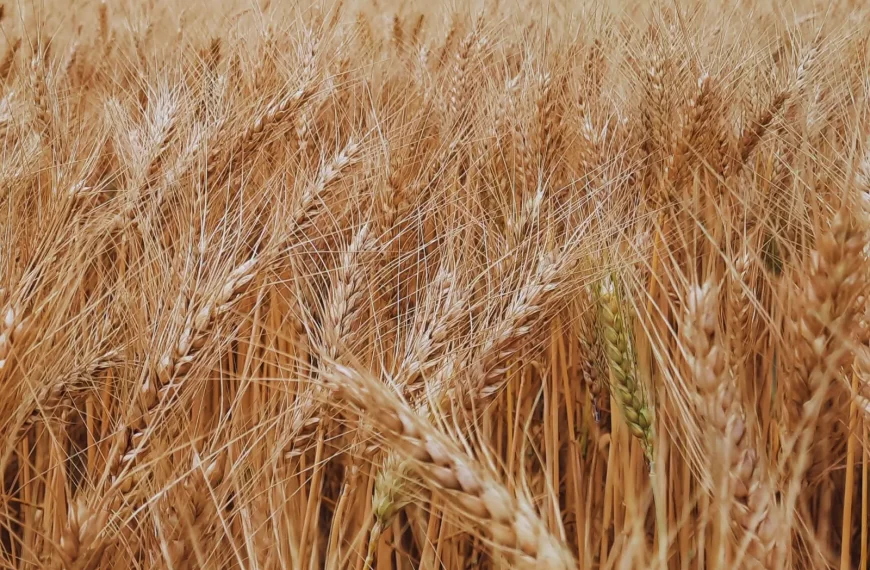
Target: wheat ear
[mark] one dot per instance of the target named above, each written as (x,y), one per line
(510,521)
(754,507)
(620,355)
(825,324)
(164,380)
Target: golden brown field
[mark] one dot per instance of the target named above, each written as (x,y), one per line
(416,284)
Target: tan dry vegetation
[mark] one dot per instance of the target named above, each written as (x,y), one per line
(401,285)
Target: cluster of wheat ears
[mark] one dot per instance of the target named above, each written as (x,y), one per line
(396,285)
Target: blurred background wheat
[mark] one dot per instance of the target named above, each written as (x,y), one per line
(396,285)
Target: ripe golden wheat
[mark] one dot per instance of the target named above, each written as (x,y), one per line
(402,284)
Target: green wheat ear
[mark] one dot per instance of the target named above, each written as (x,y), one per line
(620,356)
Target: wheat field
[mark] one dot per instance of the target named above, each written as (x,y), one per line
(387,285)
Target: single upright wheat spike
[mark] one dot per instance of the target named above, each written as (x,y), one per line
(754,506)
(694,132)
(655,105)
(41,78)
(625,388)
(105,30)
(740,312)
(549,136)
(392,198)
(523,176)
(509,520)
(347,294)
(458,90)
(827,319)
